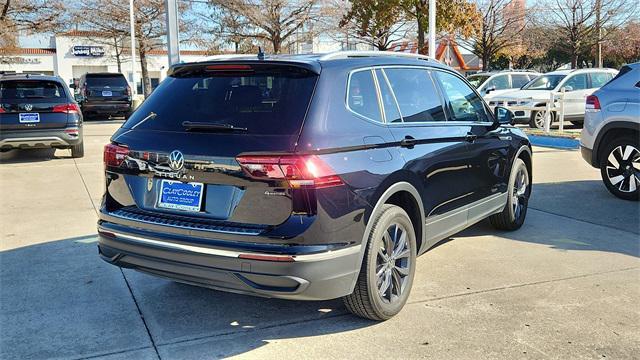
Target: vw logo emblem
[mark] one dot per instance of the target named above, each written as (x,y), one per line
(176,160)
(28,107)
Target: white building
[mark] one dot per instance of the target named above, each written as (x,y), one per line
(75,53)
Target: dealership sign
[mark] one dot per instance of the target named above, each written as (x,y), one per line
(84,50)
(19,60)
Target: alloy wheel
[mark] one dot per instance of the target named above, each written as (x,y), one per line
(393,263)
(538,119)
(519,195)
(623,168)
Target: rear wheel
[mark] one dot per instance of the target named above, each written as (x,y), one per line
(620,167)
(514,213)
(77,151)
(388,267)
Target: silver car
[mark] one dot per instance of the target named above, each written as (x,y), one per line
(610,139)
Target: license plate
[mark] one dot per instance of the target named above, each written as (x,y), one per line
(26,118)
(107,93)
(180,196)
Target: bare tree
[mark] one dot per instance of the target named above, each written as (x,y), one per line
(29,16)
(500,28)
(578,21)
(275,21)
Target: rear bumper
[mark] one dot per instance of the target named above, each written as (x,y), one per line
(311,276)
(25,139)
(106,107)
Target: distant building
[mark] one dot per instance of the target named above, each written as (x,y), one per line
(447,52)
(74,53)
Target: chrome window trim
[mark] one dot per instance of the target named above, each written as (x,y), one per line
(383,114)
(393,95)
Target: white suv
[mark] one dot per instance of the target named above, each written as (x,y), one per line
(610,139)
(494,83)
(578,84)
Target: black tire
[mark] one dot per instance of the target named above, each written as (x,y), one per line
(533,122)
(366,300)
(512,217)
(77,151)
(629,187)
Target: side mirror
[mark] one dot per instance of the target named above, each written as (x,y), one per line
(503,115)
(567,88)
(490,89)
(72,86)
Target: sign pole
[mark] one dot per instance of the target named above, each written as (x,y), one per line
(134,89)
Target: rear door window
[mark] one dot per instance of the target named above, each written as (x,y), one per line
(464,104)
(362,97)
(600,78)
(416,94)
(263,99)
(31,90)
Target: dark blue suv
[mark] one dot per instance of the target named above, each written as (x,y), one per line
(308,177)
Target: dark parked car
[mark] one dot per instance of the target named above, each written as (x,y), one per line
(39,111)
(308,177)
(105,94)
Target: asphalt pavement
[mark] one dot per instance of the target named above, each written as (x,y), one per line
(565,286)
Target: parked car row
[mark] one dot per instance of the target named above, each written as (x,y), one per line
(38,111)
(576,84)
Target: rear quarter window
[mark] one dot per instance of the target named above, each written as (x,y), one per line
(264,101)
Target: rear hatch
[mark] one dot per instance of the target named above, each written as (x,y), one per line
(32,104)
(107,88)
(179,151)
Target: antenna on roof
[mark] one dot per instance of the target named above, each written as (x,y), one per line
(260,53)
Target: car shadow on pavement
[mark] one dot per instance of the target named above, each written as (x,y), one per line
(575,215)
(58,299)
(18,156)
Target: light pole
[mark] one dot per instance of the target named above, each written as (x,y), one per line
(432,28)
(173,46)
(134,91)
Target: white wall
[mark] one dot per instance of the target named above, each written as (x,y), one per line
(28,63)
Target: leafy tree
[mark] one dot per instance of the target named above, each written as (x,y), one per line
(455,17)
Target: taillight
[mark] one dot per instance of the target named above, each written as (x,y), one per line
(70,108)
(593,103)
(298,171)
(1,110)
(114,155)
(85,92)
(128,90)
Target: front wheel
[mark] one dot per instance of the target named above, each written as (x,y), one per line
(620,167)
(388,267)
(537,119)
(513,215)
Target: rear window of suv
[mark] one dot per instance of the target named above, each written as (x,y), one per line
(31,89)
(106,80)
(270,100)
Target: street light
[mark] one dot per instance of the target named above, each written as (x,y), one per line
(432,28)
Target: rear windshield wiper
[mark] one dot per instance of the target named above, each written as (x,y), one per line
(206,126)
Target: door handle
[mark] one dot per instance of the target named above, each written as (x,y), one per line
(470,137)
(408,142)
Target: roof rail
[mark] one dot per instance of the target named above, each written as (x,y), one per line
(352,54)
